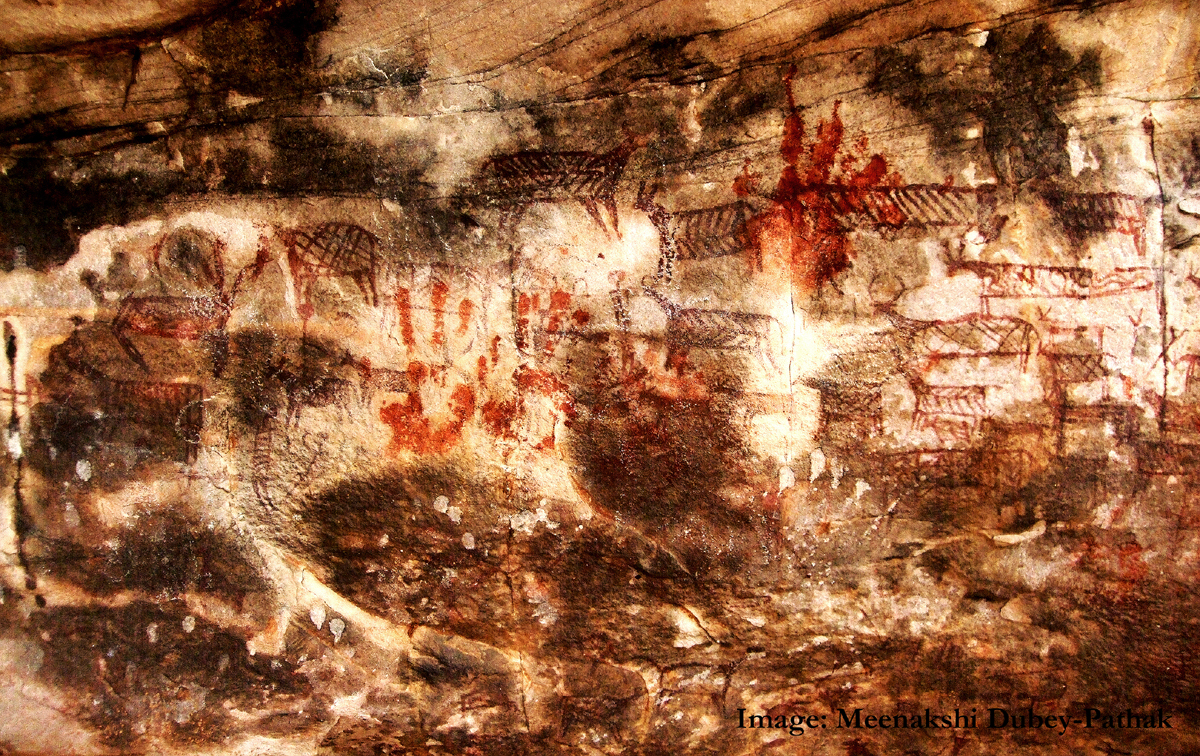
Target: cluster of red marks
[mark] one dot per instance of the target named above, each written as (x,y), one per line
(404,307)
(413,431)
(559,301)
(553,319)
(500,415)
(802,223)
(526,303)
(1125,562)
(539,381)
(437,300)
(671,376)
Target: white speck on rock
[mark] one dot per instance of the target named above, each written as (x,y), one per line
(455,514)
(317,615)
(337,626)
(860,488)
(787,478)
(348,706)
(71,516)
(468,541)
(690,633)
(186,705)
(83,470)
(546,613)
(543,610)
(189,624)
(152,632)
(816,465)
(1014,611)
(526,521)
(441,504)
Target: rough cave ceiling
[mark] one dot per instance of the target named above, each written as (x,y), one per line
(565,377)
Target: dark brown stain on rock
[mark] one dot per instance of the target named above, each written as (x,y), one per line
(1015,86)
(140,673)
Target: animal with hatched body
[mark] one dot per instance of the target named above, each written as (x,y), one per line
(309,378)
(1020,281)
(1085,213)
(154,404)
(332,250)
(951,412)
(716,329)
(697,234)
(913,205)
(522,179)
(924,342)
(192,317)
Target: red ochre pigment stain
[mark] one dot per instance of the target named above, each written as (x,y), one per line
(413,431)
(465,310)
(803,225)
(498,417)
(547,384)
(437,299)
(559,301)
(524,305)
(404,307)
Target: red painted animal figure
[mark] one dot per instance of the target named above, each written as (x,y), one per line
(176,318)
(274,481)
(921,205)
(376,380)
(332,250)
(1083,213)
(924,471)
(951,412)
(197,317)
(699,234)
(689,327)
(851,388)
(1012,281)
(925,342)
(523,179)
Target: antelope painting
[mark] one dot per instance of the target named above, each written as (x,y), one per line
(193,317)
(689,327)
(332,250)
(523,179)
(699,234)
